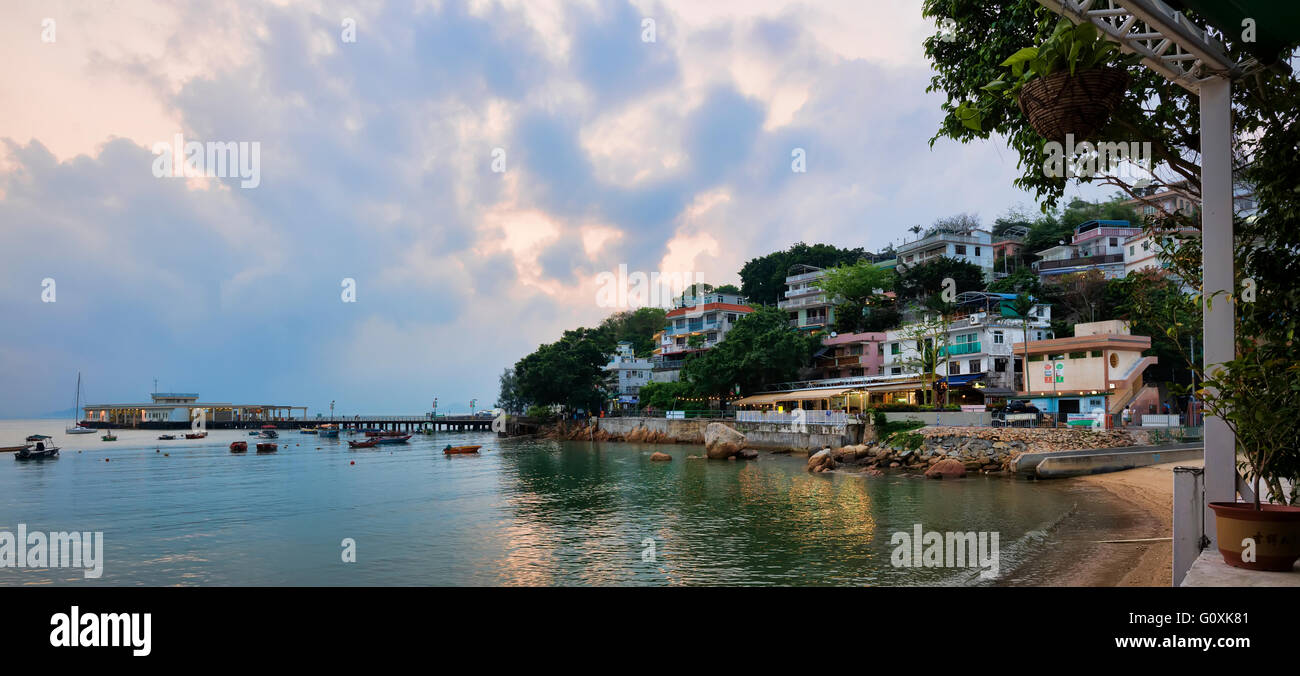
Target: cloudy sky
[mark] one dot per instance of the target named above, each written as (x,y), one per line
(376,164)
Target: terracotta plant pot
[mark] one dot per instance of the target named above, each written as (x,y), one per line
(1275,528)
(1078,104)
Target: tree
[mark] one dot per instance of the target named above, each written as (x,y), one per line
(638,327)
(760,348)
(1023,279)
(510,399)
(920,281)
(728,289)
(569,372)
(929,340)
(1021,307)
(1152,302)
(944,310)
(1082,293)
(762,279)
(665,396)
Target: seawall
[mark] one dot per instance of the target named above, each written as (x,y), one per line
(768,436)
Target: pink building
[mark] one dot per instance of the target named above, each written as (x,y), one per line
(851,354)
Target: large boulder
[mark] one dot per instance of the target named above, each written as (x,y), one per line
(722,442)
(821,461)
(661,457)
(946,469)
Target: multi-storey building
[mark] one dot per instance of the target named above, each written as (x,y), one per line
(806,303)
(975,359)
(1098,371)
(699,323)
(626,373)
(973,245)
(849,355)
(1096,245)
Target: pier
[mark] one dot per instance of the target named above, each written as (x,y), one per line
(406,423)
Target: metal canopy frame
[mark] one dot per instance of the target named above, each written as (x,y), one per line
(1170,44)
(1186,55)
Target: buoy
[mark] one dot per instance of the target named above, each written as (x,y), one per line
(353,462)
(105,459)
(167,455)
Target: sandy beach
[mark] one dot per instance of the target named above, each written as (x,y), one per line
(1135,504)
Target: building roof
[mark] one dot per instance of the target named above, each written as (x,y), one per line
(1101,341)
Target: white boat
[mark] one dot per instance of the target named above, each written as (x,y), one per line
(77,428)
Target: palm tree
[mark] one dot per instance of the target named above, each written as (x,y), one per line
(1022,306)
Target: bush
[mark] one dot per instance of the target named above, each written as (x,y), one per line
(540,412)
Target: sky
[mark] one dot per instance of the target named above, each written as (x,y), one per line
(461,172)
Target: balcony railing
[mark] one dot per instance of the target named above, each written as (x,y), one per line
(960,348)
(819,299)
(816,274)
(1079,262)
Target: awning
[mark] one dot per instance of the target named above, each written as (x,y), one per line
(796,395)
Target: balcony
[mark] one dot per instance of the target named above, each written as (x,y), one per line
(1085,261)
(959,349)
(816,274)
(806,301)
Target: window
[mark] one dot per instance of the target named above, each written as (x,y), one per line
(1035,357)
(960,249)
(1146,245)
(856,372)
(893,348)
(897,370)
(977,251)
(998,338)
(974,366)
(1132,249)
(712,336)
(1114,241)
(954,368)
(1000,365)
(1095,353)
(1078,355)
(731,316)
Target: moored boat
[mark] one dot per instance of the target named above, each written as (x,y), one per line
(39,449)
(393,440)
(253,434)
(268,434)
(328,431)
(307,430)
(368,443)
(166,437)
(460,450)
(77,427)
(239,447)
(267,447)
(109,436)
(196,435)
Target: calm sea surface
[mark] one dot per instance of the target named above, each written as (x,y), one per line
(525,512)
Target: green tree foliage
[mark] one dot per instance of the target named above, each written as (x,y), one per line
(921,281)
(762,279)
(858,290)
(666,396)
(1022,279)
(637,326)
(510,399)
(569,372)
(1151,302)
(760,348)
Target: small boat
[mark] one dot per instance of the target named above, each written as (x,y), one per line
(393,440)
(109,437)
(77,427)
(267,447)
(328,431)
(166,437)
(268,434)
(459,450)
(38,449)
(368,443)
(383,433)
(253,434)
(196,435)
(307,430)
(239,446)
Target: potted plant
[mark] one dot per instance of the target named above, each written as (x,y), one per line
(1257,394)
(1070,84)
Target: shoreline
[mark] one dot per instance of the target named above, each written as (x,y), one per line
(1132,504)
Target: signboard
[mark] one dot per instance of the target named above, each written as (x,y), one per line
(675,414)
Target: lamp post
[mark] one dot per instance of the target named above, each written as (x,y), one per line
(331,409)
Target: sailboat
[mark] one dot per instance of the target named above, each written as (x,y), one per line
(76,426)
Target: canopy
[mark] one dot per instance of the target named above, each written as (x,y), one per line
(796,395)
(962,379)
(1277,23)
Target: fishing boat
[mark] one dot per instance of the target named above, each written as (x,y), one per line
(368,443)
(166,437)
(268,434)
(196,435)
(393,440)
(383,433)
(307,430)
(39,449)
(77,427)
(460,450)
(253,433)
(267,447)
(239,447)
(110,436)
(329,431)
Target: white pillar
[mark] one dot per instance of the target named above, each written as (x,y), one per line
(1217,271)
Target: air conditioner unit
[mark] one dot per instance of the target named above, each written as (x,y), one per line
(974,321)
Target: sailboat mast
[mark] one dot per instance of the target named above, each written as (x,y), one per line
(77,403)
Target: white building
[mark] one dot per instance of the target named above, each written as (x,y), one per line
(977,346)
(1096,245)
(973,245)
(627,373)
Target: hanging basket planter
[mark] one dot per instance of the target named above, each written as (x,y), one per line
(1078,104)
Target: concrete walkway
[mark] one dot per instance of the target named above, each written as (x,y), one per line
(1061,464)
